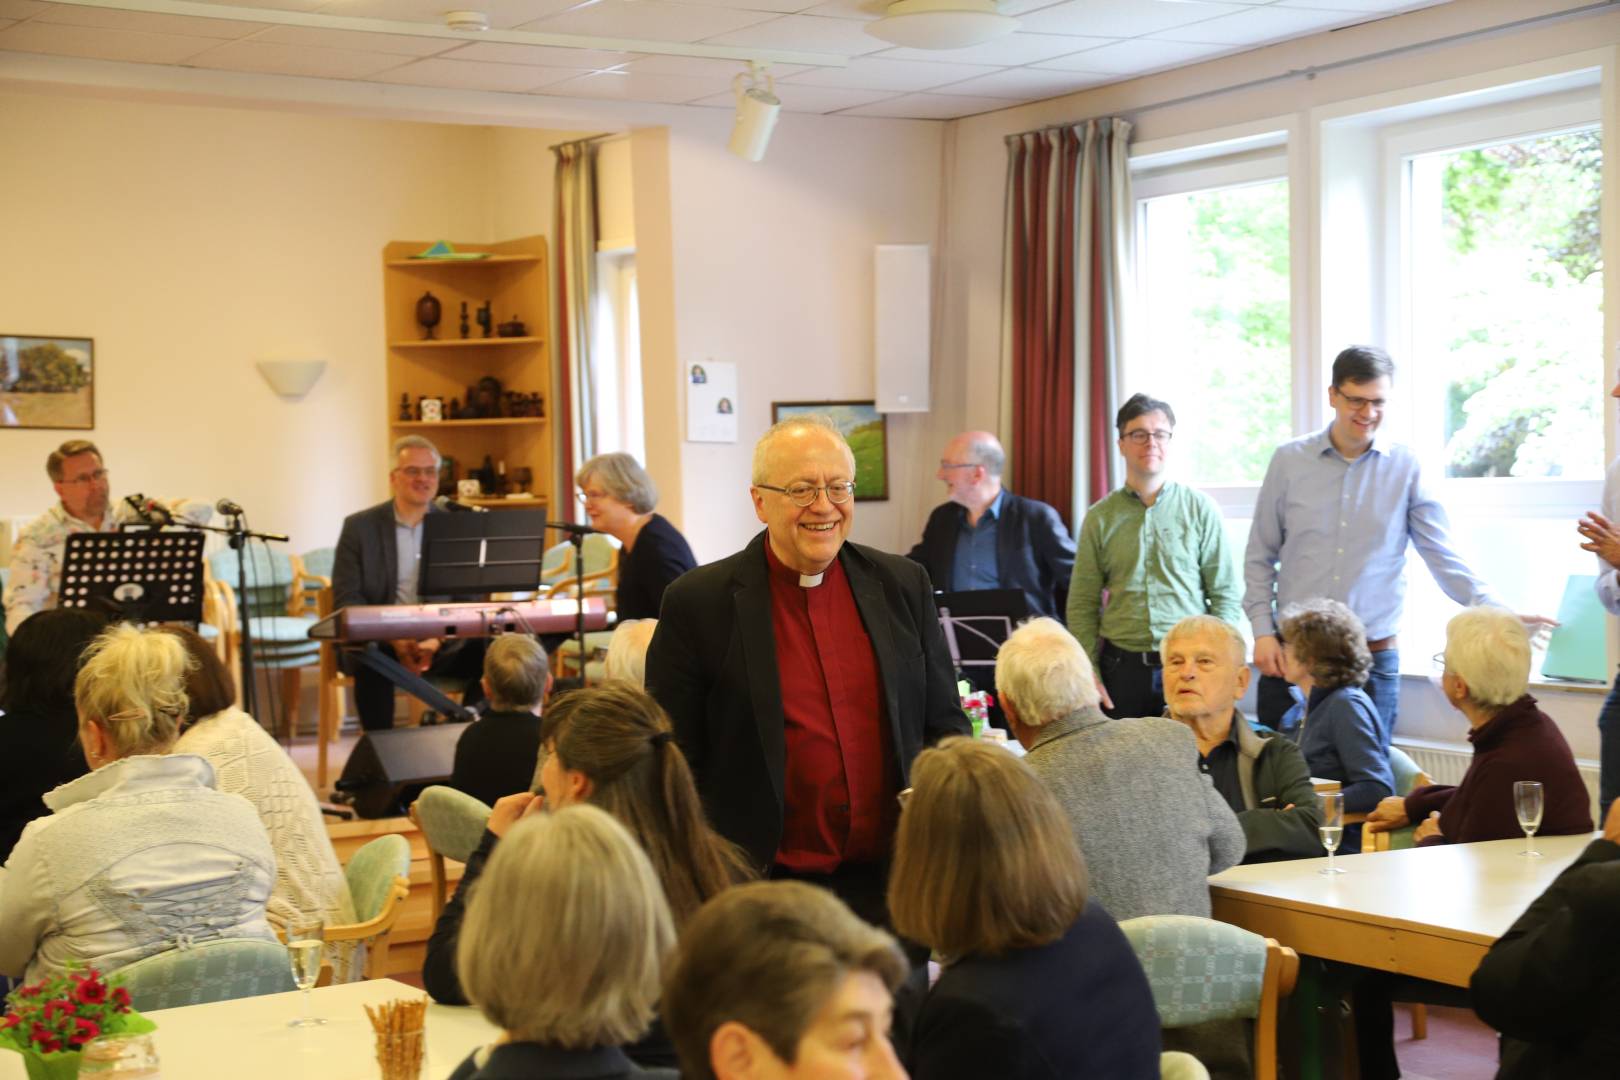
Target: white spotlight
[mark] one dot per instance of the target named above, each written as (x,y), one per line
(757,107)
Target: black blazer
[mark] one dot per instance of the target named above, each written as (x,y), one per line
(365,568)
(42,748)
(496,755)
(1034,551)
(660,555)
(1079,1007)
(535,1061)
(712,666)
(1549,985)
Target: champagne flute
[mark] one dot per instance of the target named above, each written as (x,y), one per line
(1332,828)
(305,944)
(1527,804)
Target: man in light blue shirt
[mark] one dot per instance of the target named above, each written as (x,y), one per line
(1333,519)
(1602,537)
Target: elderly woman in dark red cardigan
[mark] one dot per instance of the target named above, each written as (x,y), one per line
(1487,672)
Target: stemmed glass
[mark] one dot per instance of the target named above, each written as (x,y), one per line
(1527,804)
(305,944)
(1332,827)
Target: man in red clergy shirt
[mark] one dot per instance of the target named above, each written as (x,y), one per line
(804,673)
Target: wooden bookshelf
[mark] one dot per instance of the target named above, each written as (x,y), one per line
(514,280)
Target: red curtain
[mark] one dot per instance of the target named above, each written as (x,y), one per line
(1067,206)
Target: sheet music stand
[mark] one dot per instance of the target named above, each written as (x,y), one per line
(976,622)
(480,554)
(139,576)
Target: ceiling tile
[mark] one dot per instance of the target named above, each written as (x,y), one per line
(811,33)
(7,22)
(774,7)
(11,10)
(892,75)
(849,9)
(1009,51)
(111,19)
(500,52)
(273,59)
(620,86)
(1122,18)
(277,5)
(1257,26)
(810,99)
(930,107)
(655,20)
(1384,7)
(702,67)
(503,14)
(465,75)
(97,44)
(322,38)
(1029,84)
(1134,57)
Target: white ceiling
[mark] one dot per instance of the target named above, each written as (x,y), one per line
(1062,45)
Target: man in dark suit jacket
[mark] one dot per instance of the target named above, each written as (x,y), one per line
(803,674)
(986,537)
(377,562)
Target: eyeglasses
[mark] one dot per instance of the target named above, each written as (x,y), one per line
(803,494)
(587,497)
(89,478)
(1140,437)
(1359,403)
(958,464)
(419,471)
(1439,660)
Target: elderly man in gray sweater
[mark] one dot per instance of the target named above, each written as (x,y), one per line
(1151,827)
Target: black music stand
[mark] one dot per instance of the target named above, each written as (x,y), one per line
(478,554)
(976,622)
(136,576)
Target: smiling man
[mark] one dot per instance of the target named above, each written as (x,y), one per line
(1333,519)
(804,673)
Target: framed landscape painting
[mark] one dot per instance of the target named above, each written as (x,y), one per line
(867,431)
(47,382)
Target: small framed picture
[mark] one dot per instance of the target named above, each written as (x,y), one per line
(433,409)
(867,432)
(47,382)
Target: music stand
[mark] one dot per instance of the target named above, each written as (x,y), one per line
(479,554)
(976,622)
(138,576)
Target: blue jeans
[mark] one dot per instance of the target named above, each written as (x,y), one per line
(1383,685)
(1609,751)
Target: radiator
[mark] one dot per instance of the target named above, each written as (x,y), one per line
(1446,765)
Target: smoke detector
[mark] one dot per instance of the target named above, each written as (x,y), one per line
(466,20)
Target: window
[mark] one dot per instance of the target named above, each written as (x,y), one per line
(1213,291)
(616,356)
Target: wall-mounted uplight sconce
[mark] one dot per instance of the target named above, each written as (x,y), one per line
(292,379)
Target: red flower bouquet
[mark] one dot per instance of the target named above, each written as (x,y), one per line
(49,1023)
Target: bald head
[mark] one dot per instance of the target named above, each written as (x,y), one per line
(971,468)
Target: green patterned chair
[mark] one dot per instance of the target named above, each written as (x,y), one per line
(212,971)
(379,877)
(1409,776)
(452,823)
(1202,970)
(281,639)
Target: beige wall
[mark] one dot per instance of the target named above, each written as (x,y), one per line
(191,241)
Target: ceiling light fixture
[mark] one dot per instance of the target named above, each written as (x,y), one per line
(941,24)
(757,109)
(467,21)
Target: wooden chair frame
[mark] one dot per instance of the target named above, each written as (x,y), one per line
(375,930)
(1282,973)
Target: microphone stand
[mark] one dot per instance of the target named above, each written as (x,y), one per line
(576,537)
(237,536)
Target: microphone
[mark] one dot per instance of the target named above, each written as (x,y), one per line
(228,508)
(159,511)
(445,502)
(139,504)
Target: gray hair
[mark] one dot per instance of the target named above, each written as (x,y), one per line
(1207,624)
(623,478)
(1489,649)
(591,968)
(985,450)
(415,442)
(800,422)
(627,650)
(1045,673)
(515,668)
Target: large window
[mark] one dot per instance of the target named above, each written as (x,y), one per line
(1213,287)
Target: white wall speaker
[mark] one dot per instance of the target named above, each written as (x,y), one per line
(902,318)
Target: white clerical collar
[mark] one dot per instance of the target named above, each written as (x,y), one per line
(810,581)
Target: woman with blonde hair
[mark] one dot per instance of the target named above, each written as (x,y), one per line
(141,854)
(571,987)
(1038,984)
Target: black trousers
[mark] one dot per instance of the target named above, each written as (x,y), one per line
(457,660)
(1133,681)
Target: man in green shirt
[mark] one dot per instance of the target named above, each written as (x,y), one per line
(1158,550)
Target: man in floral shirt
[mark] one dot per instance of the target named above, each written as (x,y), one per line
(80,480)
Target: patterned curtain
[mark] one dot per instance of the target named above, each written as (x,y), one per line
(575,238)
(1063,292)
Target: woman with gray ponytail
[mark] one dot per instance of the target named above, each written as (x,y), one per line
(141,854)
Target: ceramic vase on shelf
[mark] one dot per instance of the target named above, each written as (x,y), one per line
(428,311)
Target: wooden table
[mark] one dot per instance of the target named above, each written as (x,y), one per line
(1428,912)
(248,1039)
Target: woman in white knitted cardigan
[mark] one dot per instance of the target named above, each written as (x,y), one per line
(309,886)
